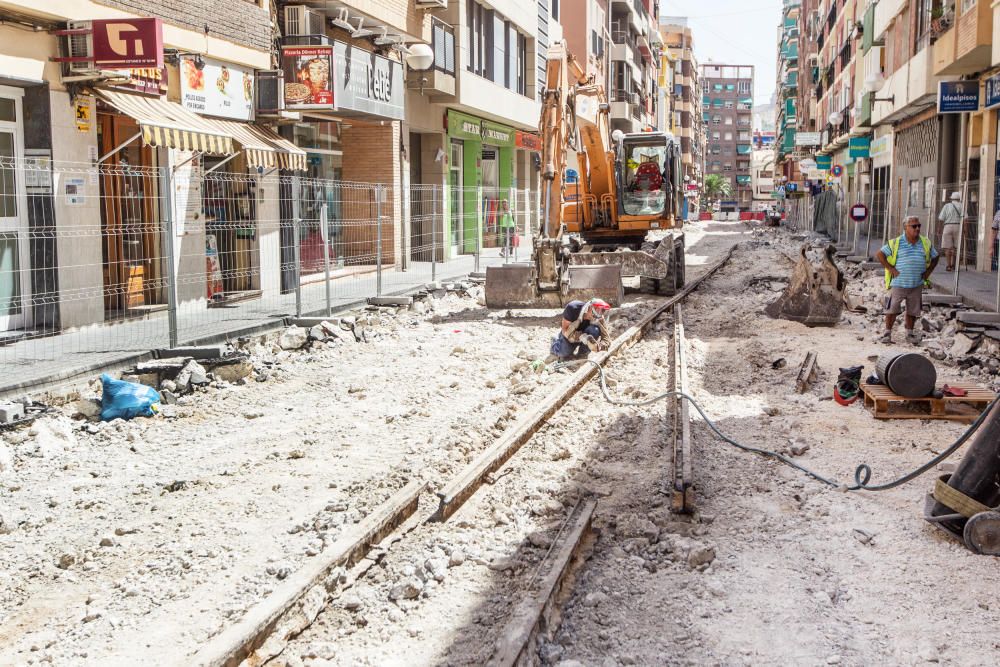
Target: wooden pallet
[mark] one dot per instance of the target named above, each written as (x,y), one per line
(885,404)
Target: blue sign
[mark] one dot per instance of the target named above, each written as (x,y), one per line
(993,91)
(958,96)
(859,147)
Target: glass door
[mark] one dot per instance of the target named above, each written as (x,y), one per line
(15,287)
(457,223)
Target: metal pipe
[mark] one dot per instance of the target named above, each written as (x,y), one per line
(168,215)
(296,251)
(119,147)
(325,233)
(433,233)
(378,240)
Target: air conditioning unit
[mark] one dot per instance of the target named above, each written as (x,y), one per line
(301,21)
(79,46)
(270,93)
(431,4)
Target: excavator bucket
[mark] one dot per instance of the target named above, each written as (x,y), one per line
(516,286)
(815,292)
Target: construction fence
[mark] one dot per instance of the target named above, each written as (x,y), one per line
(102,263)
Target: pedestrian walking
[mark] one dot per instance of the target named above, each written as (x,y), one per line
(951,216)
(909,260)
(507,227)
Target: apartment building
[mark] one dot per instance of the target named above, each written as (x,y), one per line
(727,100)
(587,34)
(787,87)
(635,43)
(687,121)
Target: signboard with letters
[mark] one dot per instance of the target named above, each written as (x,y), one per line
(308,77)
(464,126)
(858,147)
(958,96)
(217,89)
(992,91)
(807,138)
(528,141)
(367,83)
(127,43)
(147,80)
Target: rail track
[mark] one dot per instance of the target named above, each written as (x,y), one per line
(266,629)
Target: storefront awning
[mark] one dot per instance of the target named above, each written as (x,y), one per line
(264,148)
(170,125)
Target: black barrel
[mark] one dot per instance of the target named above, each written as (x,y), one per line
(908,374)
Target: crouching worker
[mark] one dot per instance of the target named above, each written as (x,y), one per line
(584,330)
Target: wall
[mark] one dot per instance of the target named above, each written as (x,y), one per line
(371,155)
(79,244)
(269,234)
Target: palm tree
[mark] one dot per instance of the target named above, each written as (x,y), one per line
(715,187)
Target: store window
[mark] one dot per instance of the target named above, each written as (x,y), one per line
(321,188)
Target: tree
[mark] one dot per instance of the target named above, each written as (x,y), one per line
(715,187)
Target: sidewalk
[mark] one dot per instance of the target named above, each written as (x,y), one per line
(34,364)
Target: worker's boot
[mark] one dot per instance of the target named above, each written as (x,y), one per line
(913,337)
(886,337)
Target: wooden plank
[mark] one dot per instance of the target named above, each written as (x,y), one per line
(463,485)
(538,614)
(238,642)
(807,372)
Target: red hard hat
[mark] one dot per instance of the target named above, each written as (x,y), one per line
(600,304)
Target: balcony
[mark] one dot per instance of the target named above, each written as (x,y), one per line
(439,81)
(965,46)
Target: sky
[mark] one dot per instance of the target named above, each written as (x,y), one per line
(737,32)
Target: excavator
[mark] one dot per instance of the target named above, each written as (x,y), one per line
(594,229)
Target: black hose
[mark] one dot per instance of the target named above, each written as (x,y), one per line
(862,474)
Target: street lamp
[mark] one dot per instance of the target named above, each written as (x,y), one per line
(874,83)
(420,58)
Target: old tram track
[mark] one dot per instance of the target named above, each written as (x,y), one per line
(269,626)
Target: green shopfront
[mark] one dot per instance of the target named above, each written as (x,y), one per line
(481,174)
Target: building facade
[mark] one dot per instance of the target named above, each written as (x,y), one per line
(687,119)
(727,101)
(635,43)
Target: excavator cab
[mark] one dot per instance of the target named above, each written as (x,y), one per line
(648,175)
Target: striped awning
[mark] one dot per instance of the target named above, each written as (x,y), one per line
(168,124)
(264,148)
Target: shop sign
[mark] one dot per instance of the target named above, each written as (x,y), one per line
(807,138)
(859,147)
(824,162)
(807,164)
(958,96)
(367,83)
(308,80)
(993,91)
(130,43)
(464,126)
(146,80)
(527,141)
(218,89)
(881,146)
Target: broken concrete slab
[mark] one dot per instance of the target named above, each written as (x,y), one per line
(978,318)
(193,352)
(962,345)
(856,259)
(293,338)
(11,412)
(232,370)
(870,266)
(310,322)
(942,299)
(390,300)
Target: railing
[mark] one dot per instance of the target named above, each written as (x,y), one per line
(142,258)
(443,44)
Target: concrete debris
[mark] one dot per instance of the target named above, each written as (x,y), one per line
(963,345)
(293,338)
(406,589)
(11,412)
(192,375)
(233,371)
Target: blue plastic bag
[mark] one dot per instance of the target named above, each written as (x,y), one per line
(127,399)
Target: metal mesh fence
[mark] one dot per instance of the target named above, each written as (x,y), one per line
(100,264)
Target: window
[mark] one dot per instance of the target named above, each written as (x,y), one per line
(716,120)
(729,136)
(596,44)
(678,90)
(730,87)
(555,10)
(729,120)
(717,87)
(716,136)
(744,87)
(495,49)
(729,104)
(727,167)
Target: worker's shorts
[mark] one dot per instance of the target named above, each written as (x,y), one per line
(910,295)
(564,349)
(949,236)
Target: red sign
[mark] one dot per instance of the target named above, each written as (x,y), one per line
(308,76)
(531,142)
(128,43)
(859,212)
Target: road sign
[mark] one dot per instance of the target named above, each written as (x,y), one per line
(838,170)
(859,212)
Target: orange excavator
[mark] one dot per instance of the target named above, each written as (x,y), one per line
(594,231)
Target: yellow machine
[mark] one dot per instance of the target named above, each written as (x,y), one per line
(594,231)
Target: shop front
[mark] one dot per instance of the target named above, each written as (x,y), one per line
(237,214)
(351,101)
(482,164)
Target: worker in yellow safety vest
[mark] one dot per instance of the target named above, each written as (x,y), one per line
(909,260)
